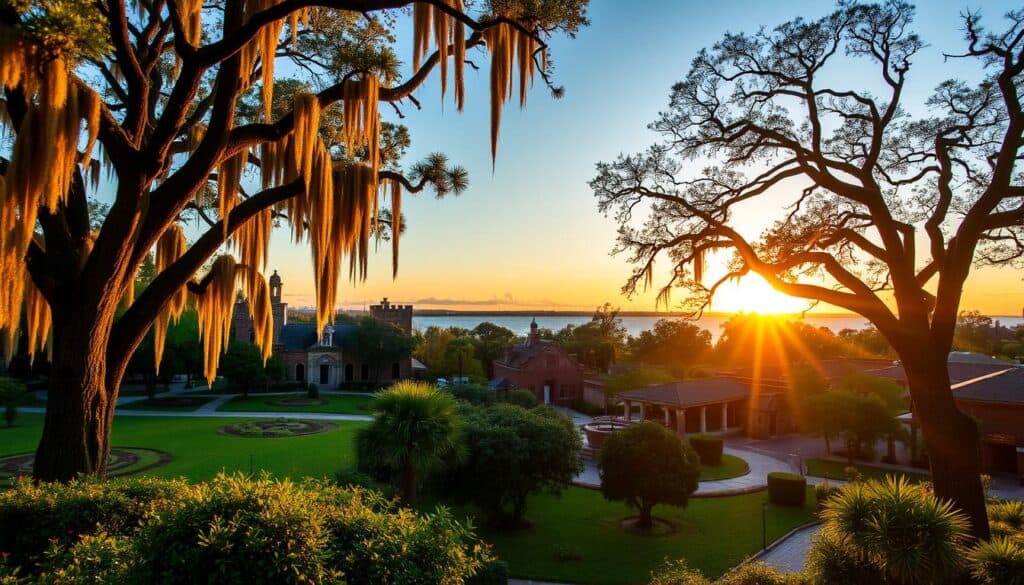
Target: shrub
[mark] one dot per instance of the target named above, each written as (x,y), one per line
(493,573)
(823,492)
(11,393)
(520,397)
(474,393)
(63,513)
(1010,512)
(834,560)
(240,530)
(895,529)
(348,477)
(313,391)
(787,489)
(708,448)
(677,572)
(999,561)
(758,573)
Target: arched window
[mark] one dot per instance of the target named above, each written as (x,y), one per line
(364,372)
(396,371)
(349,373)
(300,373)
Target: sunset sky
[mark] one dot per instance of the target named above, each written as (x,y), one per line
(529,236)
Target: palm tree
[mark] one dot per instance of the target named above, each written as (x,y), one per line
(416,430)
(893,529)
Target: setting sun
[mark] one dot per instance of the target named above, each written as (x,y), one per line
(752,294)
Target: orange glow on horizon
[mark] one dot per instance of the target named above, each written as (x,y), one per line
(752,294)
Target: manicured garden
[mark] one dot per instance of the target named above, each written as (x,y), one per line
(329,403)
(731,466)
(200,451)
(577,537)
(837,470)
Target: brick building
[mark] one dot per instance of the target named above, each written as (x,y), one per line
(328,358)
(542,367)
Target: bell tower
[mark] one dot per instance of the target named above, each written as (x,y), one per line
(278,308)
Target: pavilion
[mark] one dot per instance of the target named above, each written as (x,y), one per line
(709,405)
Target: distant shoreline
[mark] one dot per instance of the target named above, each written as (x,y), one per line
(561,313)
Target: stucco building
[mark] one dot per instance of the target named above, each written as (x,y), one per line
(542,367)
(328,358)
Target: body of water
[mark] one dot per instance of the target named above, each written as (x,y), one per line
(520,324)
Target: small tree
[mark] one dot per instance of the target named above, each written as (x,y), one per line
(512,453)
(671,343)
(242,366)
(646,464)
(382,343)
(416,429)
(11,393)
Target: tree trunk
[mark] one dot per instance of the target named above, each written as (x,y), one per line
(952,439)
(408,484)
(828,445)
(79,405)
(645,521)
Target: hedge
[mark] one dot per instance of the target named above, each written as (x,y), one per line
(787,489)
(708,448)
(232,529)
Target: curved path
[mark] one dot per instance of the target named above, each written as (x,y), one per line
(790,553)
(755,480)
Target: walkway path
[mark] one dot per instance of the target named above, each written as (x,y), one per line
(790,554)
(757,479)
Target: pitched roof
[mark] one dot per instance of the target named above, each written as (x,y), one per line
(959,372)
(519,355)
(686,393)
(302,336)
(1006,387)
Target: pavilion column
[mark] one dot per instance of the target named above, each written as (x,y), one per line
(627,410)
(667,416)
(643,411)
(725,416)
(703,419)
(681,422)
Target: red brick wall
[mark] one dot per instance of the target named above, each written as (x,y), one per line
(538,372)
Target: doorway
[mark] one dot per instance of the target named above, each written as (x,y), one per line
(547,393)
(300,373)
(325,372)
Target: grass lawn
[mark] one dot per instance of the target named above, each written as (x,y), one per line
(713,534)
(834,470)
(336,404)
(165,404)
(731,466)
(200,452)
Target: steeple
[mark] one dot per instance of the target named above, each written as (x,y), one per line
(534,333)
(275,288)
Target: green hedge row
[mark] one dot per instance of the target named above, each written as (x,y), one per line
(787,489)
(708,448)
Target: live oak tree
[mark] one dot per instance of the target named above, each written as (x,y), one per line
(172,108)
(881,212)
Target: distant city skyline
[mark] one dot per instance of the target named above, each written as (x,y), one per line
(528,235)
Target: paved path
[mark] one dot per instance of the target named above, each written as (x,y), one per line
(790,554)
(757,479)
(204,413)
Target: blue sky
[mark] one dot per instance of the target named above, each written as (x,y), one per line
(529,234)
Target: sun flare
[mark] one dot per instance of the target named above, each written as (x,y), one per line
(752,294)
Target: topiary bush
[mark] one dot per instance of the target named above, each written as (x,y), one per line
(312,391)
(823,492)
(787,489)
(708,448)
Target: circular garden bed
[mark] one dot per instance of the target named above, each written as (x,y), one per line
(123,461)
(275,428)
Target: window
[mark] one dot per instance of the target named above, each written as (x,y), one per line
(349,373)
(364,372)
(300,373)
(396,371)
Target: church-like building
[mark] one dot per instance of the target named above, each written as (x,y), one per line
(330,358)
